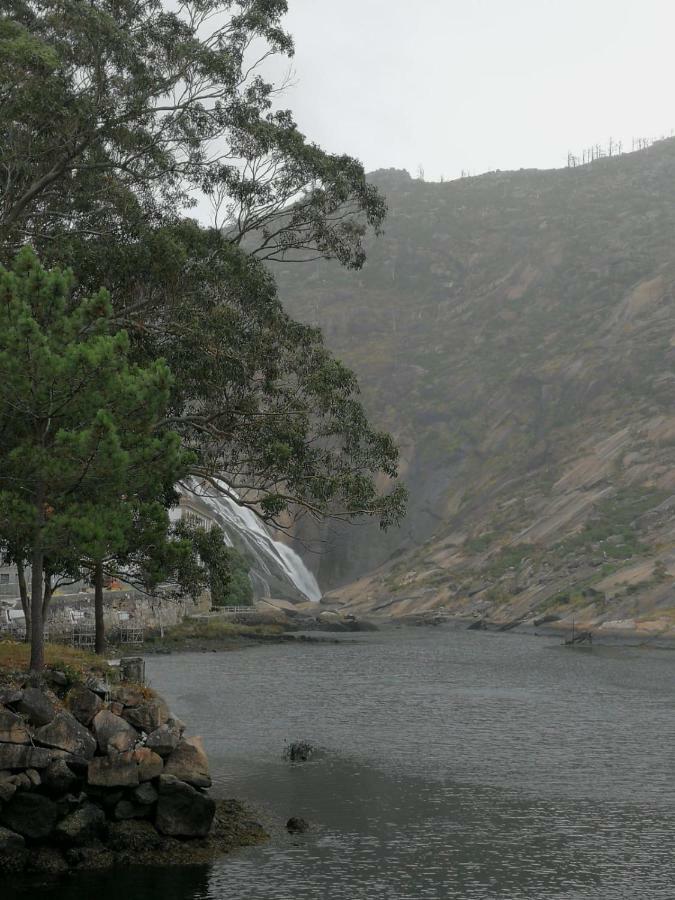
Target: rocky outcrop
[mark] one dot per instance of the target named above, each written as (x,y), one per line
(88,771)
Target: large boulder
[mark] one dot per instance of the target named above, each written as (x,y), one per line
(150,765)
(12,728)
(148,716)
(83,703)
(21,756)
(36,706)
(31,815)
(163,740)
(64,732)
(113,733)
(58,778)
(118,770)
(183,811)
(189,763)
(81,827)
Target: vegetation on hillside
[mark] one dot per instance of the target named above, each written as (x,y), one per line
(515,331)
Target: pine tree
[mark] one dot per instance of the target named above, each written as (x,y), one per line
(78,446)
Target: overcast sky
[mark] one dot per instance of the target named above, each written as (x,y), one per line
(480,84)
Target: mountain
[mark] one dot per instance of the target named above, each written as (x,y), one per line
(516,332)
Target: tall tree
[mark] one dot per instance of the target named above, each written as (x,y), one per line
(116,113)
(68,397)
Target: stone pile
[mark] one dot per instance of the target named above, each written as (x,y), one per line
(83,765)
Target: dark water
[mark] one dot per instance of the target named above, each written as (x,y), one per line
(458,765)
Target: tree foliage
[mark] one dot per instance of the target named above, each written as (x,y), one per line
(81,450)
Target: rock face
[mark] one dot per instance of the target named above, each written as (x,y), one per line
(182,811)
(87,778)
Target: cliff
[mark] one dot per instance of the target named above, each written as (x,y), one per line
(516,332)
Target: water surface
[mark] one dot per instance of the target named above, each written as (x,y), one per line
(458,765)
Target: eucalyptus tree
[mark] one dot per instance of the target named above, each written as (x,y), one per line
(115,115)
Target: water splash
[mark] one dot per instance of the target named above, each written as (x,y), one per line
(276,568)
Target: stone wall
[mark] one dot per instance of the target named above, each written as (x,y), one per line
(89,771)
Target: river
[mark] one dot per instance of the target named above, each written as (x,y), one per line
(457,766)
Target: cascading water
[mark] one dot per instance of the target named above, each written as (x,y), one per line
(275,568)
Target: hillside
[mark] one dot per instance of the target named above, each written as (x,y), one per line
(516,331)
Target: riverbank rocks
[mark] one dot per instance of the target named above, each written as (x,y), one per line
(183,811)
(90,771)
(188,762)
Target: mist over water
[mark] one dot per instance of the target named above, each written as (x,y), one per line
(457,765)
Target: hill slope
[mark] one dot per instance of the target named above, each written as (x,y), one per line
(516,331)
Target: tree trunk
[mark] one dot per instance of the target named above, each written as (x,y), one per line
(37,643)
(25,600)
(99,645)
(46,597)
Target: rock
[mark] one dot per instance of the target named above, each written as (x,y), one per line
(113,733)
(53,676)
(134,836)
(34,777)
(58,778)
(150,765)
(12,728)
(188,763)
(10,841)
(148,716)
(81,827)
(21,781)
(20,756)
(132,668)
(48,860)
(127,809)
(130,694)
(9,696)
(182,811)
(36,706)
(65,733)
(97,685)
(31,815)
(83,703)
(90,858)
(300,751)
(116,708)
(70,803)
(119,770)
(145,794)
(7,787)
(176,723)
(163,740)
(297,825)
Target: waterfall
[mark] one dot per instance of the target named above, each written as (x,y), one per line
(275,567)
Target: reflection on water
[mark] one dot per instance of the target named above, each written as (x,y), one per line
(459,765)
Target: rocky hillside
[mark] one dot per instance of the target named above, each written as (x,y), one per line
(516,331)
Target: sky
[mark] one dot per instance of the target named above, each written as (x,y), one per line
(478,85)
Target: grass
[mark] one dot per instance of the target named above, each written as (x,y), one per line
(215,630)
(15,657)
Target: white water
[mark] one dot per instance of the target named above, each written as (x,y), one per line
(274,562)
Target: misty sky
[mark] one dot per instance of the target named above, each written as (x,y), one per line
(480,84)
